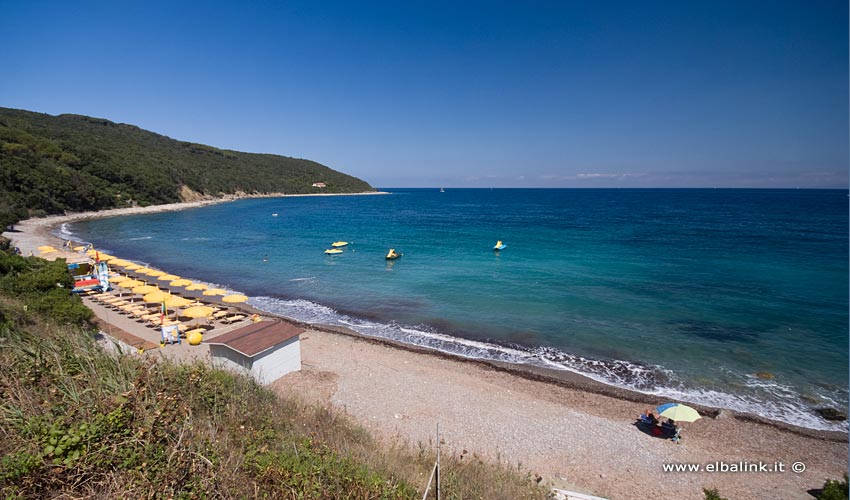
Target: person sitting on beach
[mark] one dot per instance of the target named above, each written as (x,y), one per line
(650,417)
(669,427)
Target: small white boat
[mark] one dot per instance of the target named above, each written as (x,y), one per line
(392,255)
(333,251)
(339,244)
(499,245)
(274,215)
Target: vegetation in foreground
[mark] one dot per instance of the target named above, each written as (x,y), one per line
(77,420)
(49,164)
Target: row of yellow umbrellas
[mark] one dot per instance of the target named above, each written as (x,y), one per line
(173,280)
(141,288)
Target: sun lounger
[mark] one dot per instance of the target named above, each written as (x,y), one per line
(221,314)
(232,319)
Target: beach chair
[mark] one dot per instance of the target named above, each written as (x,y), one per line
(232,319)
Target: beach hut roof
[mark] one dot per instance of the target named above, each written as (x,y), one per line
(256,338)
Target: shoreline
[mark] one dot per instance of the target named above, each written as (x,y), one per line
(540,417)
(40,231)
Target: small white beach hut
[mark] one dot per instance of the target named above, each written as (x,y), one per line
(266,350)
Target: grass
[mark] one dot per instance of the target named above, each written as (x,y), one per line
(79,421)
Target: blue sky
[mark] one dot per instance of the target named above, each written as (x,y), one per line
(489,94)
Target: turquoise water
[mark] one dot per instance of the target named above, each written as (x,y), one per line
(685,293)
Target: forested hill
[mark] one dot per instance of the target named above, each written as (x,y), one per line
(50,164)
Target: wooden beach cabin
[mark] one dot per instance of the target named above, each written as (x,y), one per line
(266,350)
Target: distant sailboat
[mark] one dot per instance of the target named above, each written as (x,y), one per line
(442,190)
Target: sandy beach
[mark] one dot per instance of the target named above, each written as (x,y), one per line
(574,432)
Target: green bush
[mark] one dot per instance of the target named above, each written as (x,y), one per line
(834,490)
(44,285)
(713,494)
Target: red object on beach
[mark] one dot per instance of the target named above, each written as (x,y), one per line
(656,431)
(84,283)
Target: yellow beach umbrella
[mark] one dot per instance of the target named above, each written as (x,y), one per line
(155,272)
(46,248)
(197,286)
(181,282)
(168,277)
(238,297)
(117,279)
(198,311)
(79,249)
(157,296)
(145,289)
(118,262)
(130,284)
(215,291)
(143,270)
(131,266)
(106,258)
(175,301)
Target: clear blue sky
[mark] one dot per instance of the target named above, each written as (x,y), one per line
(537,94)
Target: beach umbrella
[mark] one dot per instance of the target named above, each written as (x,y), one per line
(168,277)
(157,296)
(235,298)
(130,284)
(46,248)
(175,301)
(198,311)
(143,270)
(197,286)
(118,262)
(155,272)
(215,291)
(91,252)
(79,249)
(132,266)
(678,412)
(117,279)
(145,289)
(181,282)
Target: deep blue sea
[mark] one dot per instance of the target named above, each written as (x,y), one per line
(685,293)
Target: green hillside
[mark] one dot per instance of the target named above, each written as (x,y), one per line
(50,164)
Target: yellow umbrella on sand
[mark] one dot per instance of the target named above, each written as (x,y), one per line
(143,270)
(130,284)
(235,298)
(215,291)
(91,252)
(168,277)
(198,311)
(131,266)
(117,262)
(117,279)
(145,289)
(181,282)
(175,301)
(155,272)
(79,249)
(197,286)
(157,296)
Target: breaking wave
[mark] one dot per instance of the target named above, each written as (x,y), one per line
(769,399)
